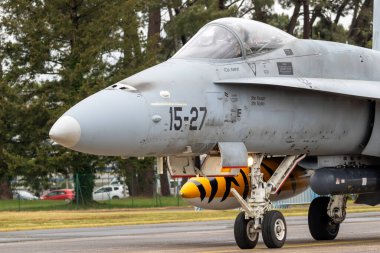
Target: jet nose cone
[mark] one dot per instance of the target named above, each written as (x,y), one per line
(66,131)
(189,190)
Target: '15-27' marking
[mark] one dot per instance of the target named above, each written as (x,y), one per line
(177,121)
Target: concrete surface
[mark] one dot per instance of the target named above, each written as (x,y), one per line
(359,233)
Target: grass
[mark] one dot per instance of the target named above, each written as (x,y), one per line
(49,205)
(12,221)
(57,214)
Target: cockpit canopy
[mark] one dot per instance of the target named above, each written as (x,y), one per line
(229,38)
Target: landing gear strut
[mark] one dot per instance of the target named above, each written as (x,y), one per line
(325,216)
(258,216)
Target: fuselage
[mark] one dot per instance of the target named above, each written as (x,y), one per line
(176,107)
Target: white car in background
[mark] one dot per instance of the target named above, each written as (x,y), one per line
(23,194)
(108,192)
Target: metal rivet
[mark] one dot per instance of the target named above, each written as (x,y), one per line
(165,94)
(156,118)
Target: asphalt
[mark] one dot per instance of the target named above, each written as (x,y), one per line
(359,233)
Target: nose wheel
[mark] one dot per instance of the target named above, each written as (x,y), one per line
(246,236)
(274,229)
(257,215)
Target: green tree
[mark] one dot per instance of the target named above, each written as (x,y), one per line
(360,31)
(59,52)
(6,110)
(55,53)
(139,175)
(186,18)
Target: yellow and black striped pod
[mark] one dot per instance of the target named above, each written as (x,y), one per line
(215,192)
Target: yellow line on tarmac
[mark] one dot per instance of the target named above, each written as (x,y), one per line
(308,245)
(332,243)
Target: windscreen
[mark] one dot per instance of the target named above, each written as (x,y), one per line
(213,42)
(257,37)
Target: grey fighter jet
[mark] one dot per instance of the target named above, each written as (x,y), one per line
(242,90)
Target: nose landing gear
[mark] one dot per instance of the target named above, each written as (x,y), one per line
(257,215)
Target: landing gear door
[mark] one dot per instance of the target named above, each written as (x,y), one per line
(215,104)
(233,154)
(182,166)
(212,167)
(233,157)
(373,144)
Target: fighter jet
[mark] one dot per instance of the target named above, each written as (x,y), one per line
(242,89)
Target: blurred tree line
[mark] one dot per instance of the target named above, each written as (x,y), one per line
(55,53)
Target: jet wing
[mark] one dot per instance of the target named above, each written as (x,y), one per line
(357,88)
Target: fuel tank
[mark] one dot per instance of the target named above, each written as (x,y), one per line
(352,180)
(215,192)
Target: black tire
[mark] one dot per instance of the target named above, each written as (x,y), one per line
(274,229)
(244,239)
(321,227)
(115,197)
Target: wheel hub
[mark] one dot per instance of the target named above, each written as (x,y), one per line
(279,228)
(251,232)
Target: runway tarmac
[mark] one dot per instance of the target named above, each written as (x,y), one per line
(359,233)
